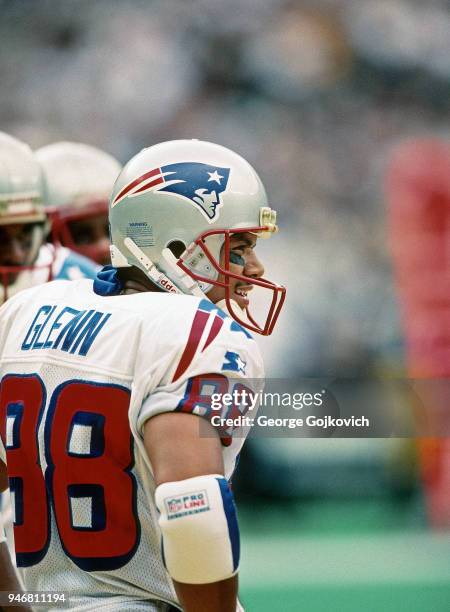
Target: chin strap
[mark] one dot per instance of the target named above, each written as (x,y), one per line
(180,281)
(183,283)
(183,280)
(157,277)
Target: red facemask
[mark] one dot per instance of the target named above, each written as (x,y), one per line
(278,291)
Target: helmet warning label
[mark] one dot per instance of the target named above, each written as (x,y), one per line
(141,233)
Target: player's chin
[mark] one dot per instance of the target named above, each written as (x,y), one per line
(240,296)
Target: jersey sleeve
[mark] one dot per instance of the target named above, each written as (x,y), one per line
(218,373)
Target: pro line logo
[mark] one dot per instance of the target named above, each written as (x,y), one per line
(190,503)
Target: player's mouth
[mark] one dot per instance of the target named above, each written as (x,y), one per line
(240,295)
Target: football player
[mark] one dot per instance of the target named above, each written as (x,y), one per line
(25,259)
(79,179)
(119,474)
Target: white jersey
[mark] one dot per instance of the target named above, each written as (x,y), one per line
(81,374)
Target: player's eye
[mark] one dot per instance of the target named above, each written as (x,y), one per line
(25,237)
(27,229)
(81,233)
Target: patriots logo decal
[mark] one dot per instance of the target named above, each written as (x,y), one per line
(200,184)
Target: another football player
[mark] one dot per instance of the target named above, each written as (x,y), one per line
(119,475)
(25,259)
(79,180)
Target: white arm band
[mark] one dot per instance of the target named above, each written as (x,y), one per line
(199,529)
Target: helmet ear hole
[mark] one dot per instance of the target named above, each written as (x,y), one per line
(177,247)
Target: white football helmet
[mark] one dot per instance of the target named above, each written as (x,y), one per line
(22,216)
(78,182)
(172,211)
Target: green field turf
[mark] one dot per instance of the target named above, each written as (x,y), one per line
(343,556)
(347,598)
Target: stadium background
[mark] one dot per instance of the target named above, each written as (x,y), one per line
(317,95)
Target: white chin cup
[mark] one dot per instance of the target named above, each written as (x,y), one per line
(199,529)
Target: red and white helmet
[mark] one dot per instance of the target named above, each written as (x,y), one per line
(189,197)
(23,222)
(78,182)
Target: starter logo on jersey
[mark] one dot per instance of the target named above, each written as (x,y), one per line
(190,503)
(200,184)
(234,363)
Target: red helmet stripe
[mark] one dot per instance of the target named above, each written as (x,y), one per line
(157,181)
(135,183)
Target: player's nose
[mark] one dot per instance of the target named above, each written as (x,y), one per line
(253,266)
